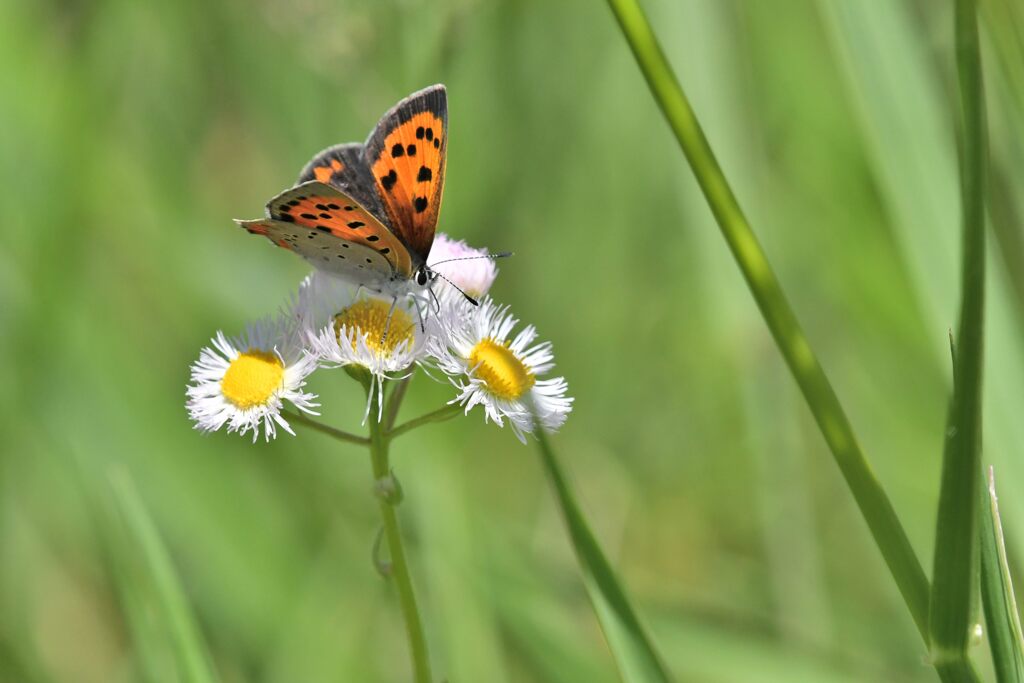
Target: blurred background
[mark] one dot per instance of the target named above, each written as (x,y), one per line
(133,132)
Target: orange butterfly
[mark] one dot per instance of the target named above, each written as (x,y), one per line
(367,212)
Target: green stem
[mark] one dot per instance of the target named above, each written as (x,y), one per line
(872,500)
(440,415)
(324,429)
(956,544)
(399,565)
(632,648)
(395,402)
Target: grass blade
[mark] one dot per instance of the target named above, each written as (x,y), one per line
(633,651)
(1001,617)
(956,543)
(173,613)
(872,500)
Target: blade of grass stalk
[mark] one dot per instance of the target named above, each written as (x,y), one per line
(448,555)
(902,106)
(546,639)
(1004,21)
(874,504)
(634,653)
(177,621)
(1001,617)
(956,545)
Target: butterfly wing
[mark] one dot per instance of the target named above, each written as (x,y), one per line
(350,260)
(333,214)
(406,155)
(343,167)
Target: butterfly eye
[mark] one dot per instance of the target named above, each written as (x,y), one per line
(422,278)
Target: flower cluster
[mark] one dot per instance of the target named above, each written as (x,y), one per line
(242,382)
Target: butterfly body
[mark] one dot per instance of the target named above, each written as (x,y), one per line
(368,212)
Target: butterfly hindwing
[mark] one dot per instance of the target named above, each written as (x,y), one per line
(406,155)
(343,167)
(333,214)
(349,260)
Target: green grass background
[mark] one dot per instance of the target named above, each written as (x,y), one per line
(132,133)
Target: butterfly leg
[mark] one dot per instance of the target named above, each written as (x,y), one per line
(387,323)
(437,302)
(419,313)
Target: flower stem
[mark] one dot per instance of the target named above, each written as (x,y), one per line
(324,429)
(443,413)
(395,402)
(835,427)
(399,565)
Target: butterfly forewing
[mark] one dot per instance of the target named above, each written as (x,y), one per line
(343,167)
(406,155)
(351,260)
(333,214)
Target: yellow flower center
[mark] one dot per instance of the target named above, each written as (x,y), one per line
(252,378)
(504,374)
(370,317)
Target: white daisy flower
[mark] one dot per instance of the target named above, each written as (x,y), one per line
(361,329)
(500,372)
(242,381)
(467,268)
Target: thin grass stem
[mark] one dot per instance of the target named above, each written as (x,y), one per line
(832,421)
(633,650)
(955,580)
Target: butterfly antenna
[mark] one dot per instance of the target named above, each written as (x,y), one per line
(501,254)
(468,297)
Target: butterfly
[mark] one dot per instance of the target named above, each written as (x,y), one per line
(367,212)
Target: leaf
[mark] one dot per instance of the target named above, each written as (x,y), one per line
(158,584)
(634,653)
(956,544)
(835,427)
(1001,617)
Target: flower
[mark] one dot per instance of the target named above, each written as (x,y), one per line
(242,381)
(469,269)
(361,329)
(502,375)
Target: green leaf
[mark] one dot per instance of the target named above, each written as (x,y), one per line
(634,653)
(956,544)
(1001,617)
(159,585)
(779,316)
